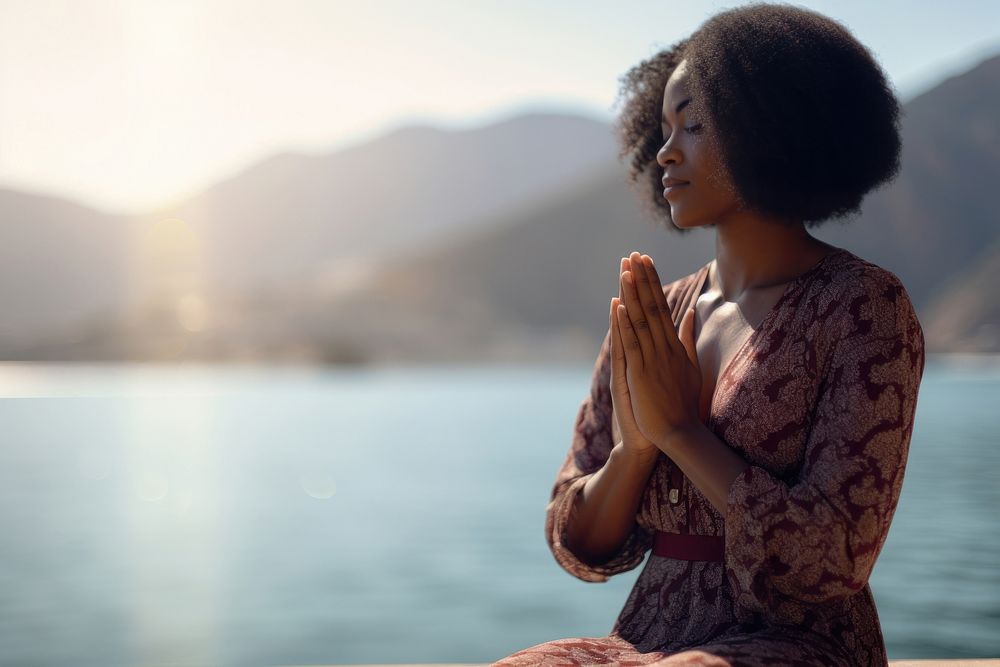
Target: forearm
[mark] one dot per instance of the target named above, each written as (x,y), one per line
(607,505)
(710,464)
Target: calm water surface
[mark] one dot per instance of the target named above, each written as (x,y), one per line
(242,516)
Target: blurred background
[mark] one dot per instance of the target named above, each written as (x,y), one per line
(300,301)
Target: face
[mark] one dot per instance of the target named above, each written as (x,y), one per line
(690,153)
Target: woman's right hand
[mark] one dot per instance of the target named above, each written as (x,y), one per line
(633,441)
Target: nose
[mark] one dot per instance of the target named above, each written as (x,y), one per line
(667,154)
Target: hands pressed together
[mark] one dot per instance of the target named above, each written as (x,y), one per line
(655,375)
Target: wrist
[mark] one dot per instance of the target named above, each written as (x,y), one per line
(673,438)
(631,456)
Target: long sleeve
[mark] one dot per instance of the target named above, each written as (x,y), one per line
(816,539)
(591,446)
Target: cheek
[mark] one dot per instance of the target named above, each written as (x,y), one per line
(720,181)
(717,174)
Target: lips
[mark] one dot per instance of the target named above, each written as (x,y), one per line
(673,185)
(674,190)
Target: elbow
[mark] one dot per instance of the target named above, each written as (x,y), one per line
(832,560)
(827,582)
(561,543)
(591,559)
(834,586)
(573,564)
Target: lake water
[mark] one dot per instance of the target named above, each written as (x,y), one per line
(269,516)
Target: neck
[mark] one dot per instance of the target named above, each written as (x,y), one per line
(754,253)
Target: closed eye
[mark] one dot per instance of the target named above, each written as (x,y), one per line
(693,129)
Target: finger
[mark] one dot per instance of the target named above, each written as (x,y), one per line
(622,265)
(669,329)
(629,339)
(645,289)
(637,318)
(621,269)
(619,385)
(617,353)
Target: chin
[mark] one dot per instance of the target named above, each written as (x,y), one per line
(687,221)
(683,221)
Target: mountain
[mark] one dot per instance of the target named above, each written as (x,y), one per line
(965,316)
(60,262)
(407,191)
(938,218)
(436,245)
(555,266)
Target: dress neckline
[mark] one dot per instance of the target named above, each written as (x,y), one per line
(796,282)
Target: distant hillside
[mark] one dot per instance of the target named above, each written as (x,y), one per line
(556,265)
(965,316)
(59,263)
(410,190)
(429,245)
(938,217)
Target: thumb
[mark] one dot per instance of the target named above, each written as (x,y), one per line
(687,336)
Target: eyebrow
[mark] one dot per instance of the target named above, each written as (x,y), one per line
(678,109)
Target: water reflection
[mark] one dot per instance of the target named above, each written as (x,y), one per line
(301,516)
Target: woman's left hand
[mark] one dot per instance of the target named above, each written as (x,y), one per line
(662,370)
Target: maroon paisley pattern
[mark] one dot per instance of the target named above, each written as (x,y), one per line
(820,401)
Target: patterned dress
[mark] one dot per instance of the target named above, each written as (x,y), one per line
(820,401)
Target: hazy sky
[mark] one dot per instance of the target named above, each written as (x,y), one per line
(125,105)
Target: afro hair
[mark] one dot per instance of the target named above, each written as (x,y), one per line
(805,120)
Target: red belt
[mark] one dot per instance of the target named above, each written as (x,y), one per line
(689,547)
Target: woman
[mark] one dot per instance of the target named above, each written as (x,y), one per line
(749,423)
